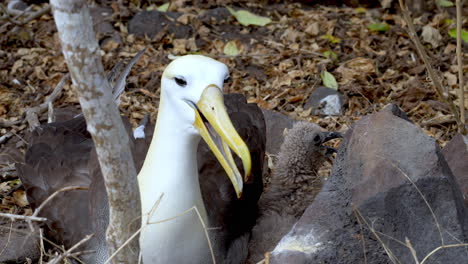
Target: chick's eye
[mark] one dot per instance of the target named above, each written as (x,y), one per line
(317,139)
(181,82)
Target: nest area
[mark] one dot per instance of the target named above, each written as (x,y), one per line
(278,66)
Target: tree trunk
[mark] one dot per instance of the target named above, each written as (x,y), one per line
(81,52)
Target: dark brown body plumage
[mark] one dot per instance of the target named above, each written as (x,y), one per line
(231,217)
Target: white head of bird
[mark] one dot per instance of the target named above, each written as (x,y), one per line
(191,107)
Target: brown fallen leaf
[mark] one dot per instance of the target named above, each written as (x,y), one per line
(19,197)
(357,68)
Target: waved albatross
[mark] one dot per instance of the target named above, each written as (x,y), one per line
(191,107)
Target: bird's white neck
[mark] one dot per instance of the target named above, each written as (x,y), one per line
(170,168)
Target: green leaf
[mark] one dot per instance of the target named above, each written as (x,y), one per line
(379,27)
(230,48)
(360,10)
(330,55)
(331,38)
(164,7)
(329,80)
(246,18)
(453,33)
(444,3)
(448,22)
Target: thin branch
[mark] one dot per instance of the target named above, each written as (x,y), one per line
(461,85)
(432,74)
(12,123)
(31,113)
(41,244)
(50,113)
(5,137)
(26,20)
(26,218)
(65,189)
(8,239)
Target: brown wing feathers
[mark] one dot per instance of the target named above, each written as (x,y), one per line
(58,158)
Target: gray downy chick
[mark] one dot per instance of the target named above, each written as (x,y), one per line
(292,187)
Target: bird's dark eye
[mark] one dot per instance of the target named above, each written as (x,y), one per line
(227,79)
(317,139)
(181,82)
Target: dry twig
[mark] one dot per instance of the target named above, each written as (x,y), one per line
(69,253)
(64,189)
(31,113)
(432,74)
(461,85)
(26,218)
(31,17)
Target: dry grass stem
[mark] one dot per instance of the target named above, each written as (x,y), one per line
(9,237)
(42,238)
(439,248)
(461,85)
(205,228)
(69,253)
(411,248)
(151,213)
(153,209)
(408,244)
(362,236)
(422,196)
(389,252)
(432,74)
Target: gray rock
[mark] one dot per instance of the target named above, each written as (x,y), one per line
(371,200)
(456,155)
(214,15)
(17,5)
(151,23)
(275,124)
(325,101)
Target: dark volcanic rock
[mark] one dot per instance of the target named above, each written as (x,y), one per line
(456,155)
(151,23)
(275,124)
(214,15)
(385,167)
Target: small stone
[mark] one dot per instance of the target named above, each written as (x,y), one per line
(325,101)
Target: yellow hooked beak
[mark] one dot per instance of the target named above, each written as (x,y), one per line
(221,136)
